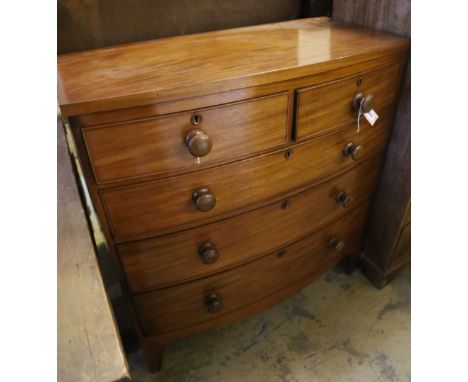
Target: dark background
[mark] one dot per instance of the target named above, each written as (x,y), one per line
(89,24)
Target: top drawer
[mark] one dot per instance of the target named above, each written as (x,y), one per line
(158,145)
(328,106)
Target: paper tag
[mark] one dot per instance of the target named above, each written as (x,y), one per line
(371,117)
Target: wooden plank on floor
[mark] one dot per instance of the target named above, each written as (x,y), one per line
(88,344)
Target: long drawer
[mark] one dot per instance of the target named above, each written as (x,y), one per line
(194,253)
(158,145)
(173,204)
(327,106)
(169,309)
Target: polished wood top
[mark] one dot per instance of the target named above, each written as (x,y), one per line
(183,66)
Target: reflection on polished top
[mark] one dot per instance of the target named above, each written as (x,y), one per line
(137,74)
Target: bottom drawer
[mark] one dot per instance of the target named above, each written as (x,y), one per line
(206,299)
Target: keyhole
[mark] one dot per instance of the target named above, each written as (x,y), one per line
(281,253)
(196,119)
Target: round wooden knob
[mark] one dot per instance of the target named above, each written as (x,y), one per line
(344,199)
(363,103)
(336,245)
(198,143)
(213,303)
(208,253)
(353,150)
(204,200)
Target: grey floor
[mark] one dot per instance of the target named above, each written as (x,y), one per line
(339,328)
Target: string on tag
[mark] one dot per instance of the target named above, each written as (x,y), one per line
(359,115)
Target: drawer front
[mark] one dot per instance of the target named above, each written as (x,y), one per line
(198,252)
(159,145)
(186,305)
(325,107)
(168,205)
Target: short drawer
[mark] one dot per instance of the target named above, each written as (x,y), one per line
(185,140)
(328,106)
(200,251)
(181,202)
(205,299)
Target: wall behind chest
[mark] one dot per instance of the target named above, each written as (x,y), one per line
(94,24)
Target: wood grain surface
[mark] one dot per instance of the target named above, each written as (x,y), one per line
(182,306)
(157,145)
(166,205)
(174,258)
(153,346)
(88,341)
(328,106)
(136,74)
(392,201)
(275,210)
(209,100)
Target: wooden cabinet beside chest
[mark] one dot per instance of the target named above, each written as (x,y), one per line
(230,169)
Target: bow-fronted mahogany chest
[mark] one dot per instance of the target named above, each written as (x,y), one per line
(230,169)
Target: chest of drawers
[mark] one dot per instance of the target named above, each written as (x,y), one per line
(230,169)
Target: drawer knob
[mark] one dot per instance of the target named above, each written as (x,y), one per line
(336,245)
(198,143)
(213,303)
(204,200)
(367,102)
(353,150)
(208,253)
(344,199)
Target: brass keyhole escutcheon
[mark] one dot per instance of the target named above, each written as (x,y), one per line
(281,253)
(196,119)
